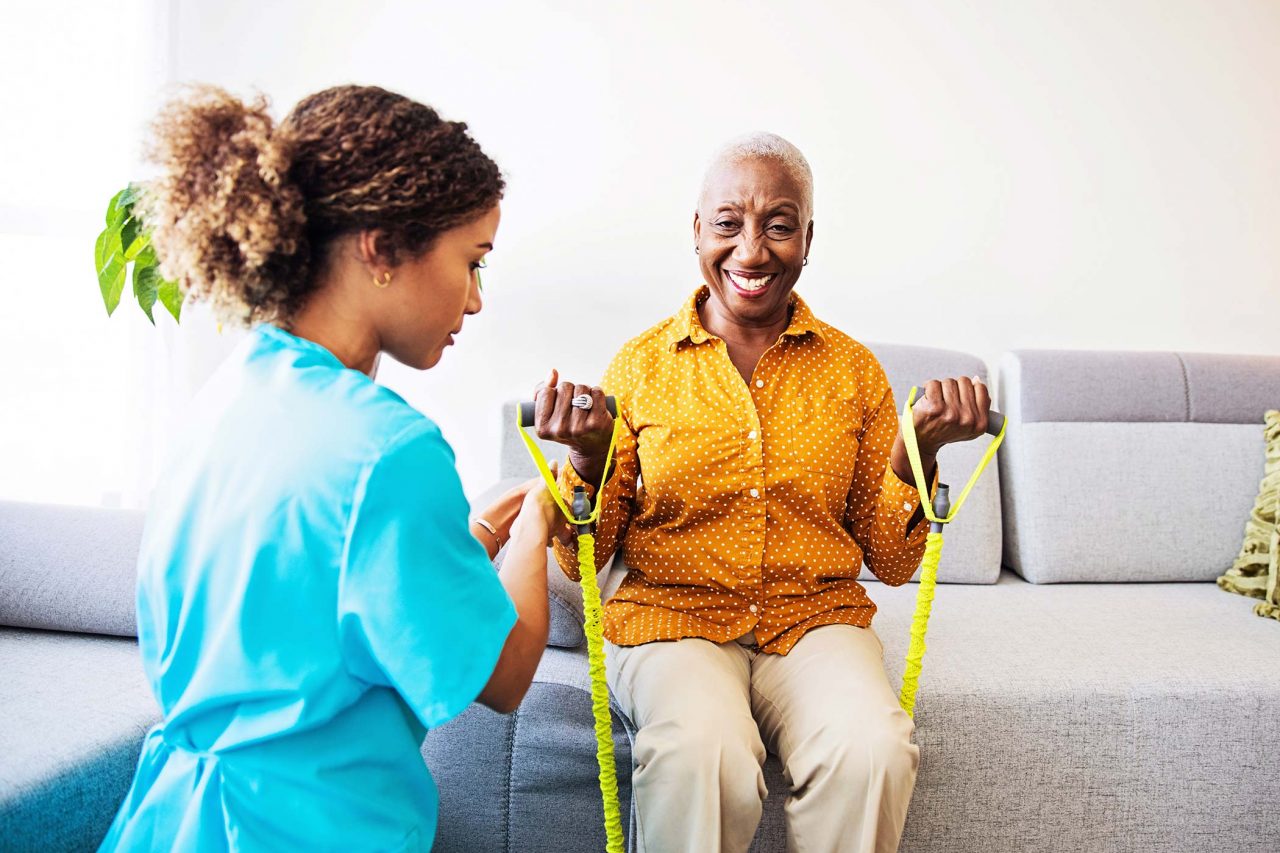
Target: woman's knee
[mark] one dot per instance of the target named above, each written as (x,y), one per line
(890,752)
(707,751)
(854,753)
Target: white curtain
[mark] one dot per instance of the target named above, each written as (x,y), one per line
(86,401)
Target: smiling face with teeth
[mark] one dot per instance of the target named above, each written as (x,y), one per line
(753,229)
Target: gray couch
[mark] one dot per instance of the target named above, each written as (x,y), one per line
(1087,686)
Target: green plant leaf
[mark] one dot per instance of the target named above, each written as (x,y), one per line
(146,288)
(109,260)
(117,212)
(171,298)
(132,238)
(126,240)
(129,196)
(101,251)
(112,283)
(169,293)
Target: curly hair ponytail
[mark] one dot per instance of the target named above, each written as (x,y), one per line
(245,211)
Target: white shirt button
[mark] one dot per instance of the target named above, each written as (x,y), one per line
(755,493)
(752,435)
(759,383)
(753,608)
(906,506)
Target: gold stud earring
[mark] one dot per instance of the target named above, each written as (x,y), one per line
(381,281)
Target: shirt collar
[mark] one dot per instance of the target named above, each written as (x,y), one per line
(687,326)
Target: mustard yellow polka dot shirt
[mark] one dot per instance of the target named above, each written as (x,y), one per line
(749,506)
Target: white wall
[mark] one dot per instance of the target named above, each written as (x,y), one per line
(990,175)
(77,407)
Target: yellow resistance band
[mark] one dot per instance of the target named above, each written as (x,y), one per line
(932,551)
(920,622)
(592,627)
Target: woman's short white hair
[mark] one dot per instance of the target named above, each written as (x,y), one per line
(766,146)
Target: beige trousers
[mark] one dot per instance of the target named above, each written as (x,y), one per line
(705,713)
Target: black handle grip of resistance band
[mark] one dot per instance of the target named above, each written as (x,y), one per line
(527,411)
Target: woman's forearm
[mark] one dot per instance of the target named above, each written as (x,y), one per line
(902,469)
(902,464)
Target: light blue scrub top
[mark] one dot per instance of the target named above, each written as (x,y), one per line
(310,602)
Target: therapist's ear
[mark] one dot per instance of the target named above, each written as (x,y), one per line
(373,248)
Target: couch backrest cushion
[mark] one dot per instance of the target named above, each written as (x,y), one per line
(973,544)
(1130,466)
(69,568)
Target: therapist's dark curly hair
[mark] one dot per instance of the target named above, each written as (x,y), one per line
(245,212)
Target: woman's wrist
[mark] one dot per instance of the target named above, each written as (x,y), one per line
(901,463)
(590,469)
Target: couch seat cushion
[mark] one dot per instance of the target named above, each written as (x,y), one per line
(73,712)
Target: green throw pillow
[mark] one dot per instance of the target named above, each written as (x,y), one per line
(1254,573)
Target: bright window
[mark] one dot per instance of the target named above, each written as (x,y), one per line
(81,81)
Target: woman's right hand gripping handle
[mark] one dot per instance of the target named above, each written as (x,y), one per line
(586,432)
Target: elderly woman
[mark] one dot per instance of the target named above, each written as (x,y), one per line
(759,464)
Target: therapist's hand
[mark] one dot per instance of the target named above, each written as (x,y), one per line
(539,515)
(502,513)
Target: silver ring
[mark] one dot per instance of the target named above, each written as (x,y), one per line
(582,401)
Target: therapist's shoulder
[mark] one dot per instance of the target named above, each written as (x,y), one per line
(388,427)
(412,457)
(411,436)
